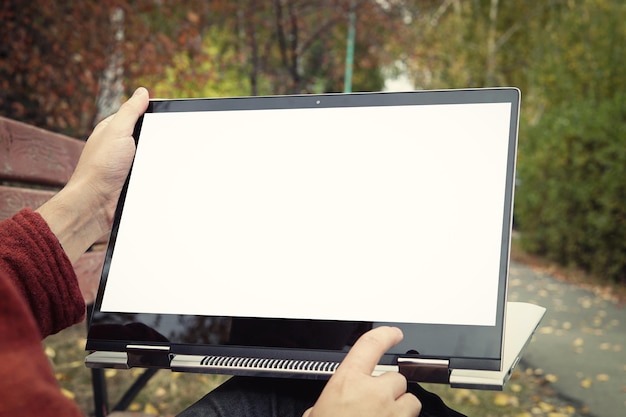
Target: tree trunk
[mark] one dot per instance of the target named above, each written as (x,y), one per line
(491,64)
(111,85)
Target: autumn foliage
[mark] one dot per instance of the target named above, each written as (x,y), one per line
(59,60)
(53,54)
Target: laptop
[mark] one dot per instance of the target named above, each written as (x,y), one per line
(264,235)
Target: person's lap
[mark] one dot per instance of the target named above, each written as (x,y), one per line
(257,397)
(274,397)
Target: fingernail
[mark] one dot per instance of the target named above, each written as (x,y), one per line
(138,91)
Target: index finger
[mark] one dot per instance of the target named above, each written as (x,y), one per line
(369,348)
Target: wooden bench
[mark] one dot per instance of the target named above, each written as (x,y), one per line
(34,165)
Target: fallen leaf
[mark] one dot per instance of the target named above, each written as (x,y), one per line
(473,400)
(67,393)
(502,400)
(545,407)
(558,415)
(466,396)
(546,330)
(602,377)
(75,364)
(586,383)
(586,302)
(551,378)
(50,353)
(110,373)
(578,342)
(81,342)
(150,409)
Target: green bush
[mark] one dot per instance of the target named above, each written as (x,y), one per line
(571,198)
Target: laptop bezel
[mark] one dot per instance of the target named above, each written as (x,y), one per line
(486,340)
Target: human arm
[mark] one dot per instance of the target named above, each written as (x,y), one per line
(353,391)
(39,292)
(32,259)
(37,249)
(27,380)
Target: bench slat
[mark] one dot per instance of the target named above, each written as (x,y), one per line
(34,155)
(13,199)
(88,269)
(34,165)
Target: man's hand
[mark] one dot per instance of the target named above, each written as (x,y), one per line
(109,152)
(353,391)
(82,211)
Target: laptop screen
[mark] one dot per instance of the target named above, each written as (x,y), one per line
(304,210)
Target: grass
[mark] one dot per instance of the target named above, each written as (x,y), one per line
(610,290)
(165,394)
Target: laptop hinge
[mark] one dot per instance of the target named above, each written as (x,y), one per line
(147,356)
(105,359)
(425,370)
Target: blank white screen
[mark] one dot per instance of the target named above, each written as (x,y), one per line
(389,214)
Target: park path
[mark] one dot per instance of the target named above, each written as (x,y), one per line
(580,345)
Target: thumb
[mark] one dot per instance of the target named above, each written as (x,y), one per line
(307,413)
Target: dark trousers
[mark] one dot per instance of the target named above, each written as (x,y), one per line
(276,397)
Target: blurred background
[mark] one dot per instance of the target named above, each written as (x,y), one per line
(65,65)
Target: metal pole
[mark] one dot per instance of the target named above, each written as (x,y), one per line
(347,82)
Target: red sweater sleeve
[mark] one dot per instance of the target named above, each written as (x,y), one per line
(39,295)
(31,256)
